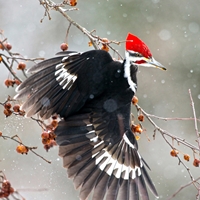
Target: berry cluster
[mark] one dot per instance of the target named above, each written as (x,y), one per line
(9,60)
(48,139)
(5,189)
(105,44)
(11,82)
(48,136)
(8,109)
(137,128)
(175,152)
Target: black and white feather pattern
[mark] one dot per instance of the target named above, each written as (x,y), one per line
(91,94)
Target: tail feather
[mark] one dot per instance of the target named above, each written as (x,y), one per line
(134,192)
(149,182)
(111,171)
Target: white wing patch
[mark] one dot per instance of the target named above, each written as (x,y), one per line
(64,78)
(103,159)
(116,165)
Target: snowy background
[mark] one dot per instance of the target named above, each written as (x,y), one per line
(170,28)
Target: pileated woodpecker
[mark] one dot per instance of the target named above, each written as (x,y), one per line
(92,95)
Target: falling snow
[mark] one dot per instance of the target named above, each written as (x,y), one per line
(173,27)
(193,27)
(164,34)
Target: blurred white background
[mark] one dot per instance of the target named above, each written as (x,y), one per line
(170,28)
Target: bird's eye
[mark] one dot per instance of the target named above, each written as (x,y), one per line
(134,54)
(137,55)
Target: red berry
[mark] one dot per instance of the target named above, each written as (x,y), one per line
(46,147)
(136,128)
(9,82)
(52,143)
(174,153)
(64,46)
(134,100)
(21,66)
(52,136)
(22,149)
(54,123)
(105,47)
(7,106)
(45,141)
(7,112)
(4,194)
(17,82)
(73,2)
(141,117)
(186,157)
(16,108)
(45,135)
(12,190)
(8,46)
(196,162)
(6,184)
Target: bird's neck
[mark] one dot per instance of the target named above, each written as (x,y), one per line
(128,73)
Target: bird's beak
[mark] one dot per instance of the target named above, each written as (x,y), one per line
(151,62)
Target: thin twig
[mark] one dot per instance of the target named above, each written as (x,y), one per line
(17,56)
(183,187)
(164,133)
(30,148)
(68,32)
(173,118)
(195,119)
(50,4)
(11,71)
(178,139)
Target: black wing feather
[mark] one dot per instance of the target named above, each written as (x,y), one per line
(60,74)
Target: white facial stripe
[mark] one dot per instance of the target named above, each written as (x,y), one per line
(135,59)
(127,72)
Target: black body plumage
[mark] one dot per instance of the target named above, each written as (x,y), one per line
(93,98)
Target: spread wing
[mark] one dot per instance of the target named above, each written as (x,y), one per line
(63,84)
(101,155)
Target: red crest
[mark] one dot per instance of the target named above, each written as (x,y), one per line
(136,44)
